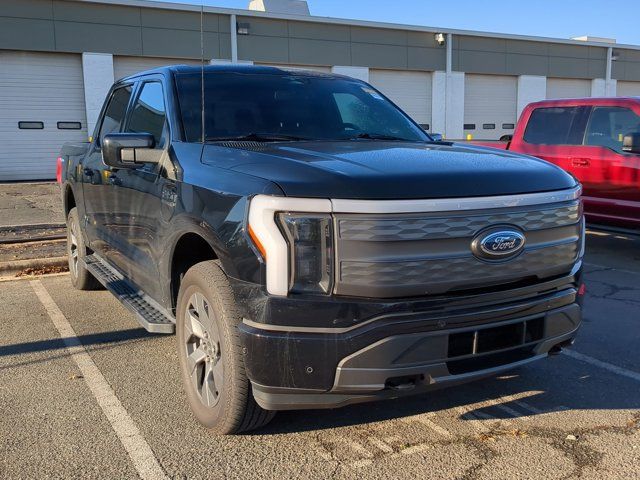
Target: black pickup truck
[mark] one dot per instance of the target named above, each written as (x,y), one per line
(311,246)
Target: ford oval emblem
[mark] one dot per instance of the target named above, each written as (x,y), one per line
(498,244)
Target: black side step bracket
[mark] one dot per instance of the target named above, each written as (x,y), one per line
(151,316)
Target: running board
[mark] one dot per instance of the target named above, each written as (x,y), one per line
(151,316)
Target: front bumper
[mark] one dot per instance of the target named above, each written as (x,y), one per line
(410,350)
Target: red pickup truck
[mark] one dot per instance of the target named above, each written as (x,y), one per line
(595,139)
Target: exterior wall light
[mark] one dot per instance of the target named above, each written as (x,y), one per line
(243,29)
(440,38)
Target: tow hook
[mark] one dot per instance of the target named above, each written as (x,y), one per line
(557,349)
(405,383)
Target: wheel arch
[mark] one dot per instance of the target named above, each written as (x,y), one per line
(189,248)
(68,199)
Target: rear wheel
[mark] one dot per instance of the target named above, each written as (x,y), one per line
(211,361)
(76,250)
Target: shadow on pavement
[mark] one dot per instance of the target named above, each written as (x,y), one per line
(491,390)
(86,340)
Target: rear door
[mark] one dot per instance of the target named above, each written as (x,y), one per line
(611,177)
(97,177)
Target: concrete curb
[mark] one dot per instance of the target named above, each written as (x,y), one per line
(13,267)
(32,226)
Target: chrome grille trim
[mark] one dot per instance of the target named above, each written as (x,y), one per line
(453,204)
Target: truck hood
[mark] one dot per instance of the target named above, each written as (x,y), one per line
(368,169)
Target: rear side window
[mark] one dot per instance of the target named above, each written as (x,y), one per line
(148,114)
(608,126)
(556,126)
(116,109)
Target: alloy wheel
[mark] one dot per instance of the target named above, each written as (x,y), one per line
(202,348)
(73,250)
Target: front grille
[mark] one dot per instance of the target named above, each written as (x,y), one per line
(402,255)
(455,226)
(458,270)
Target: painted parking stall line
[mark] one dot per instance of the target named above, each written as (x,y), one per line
(123,425)
(604,365)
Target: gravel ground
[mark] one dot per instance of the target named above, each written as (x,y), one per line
(30,203)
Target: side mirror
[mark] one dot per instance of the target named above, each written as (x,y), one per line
(437,137)
(120,150)
(631,143)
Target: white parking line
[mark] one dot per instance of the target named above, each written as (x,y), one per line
(123,425)
(380,444)
(528,407)
(472,418)
(425,419)
(604,365)
(512,412)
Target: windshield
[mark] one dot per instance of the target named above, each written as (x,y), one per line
(288,106)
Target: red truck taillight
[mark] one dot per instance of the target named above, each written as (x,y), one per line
(59,170)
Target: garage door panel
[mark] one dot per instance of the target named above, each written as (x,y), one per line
(39,87)
(490,105)
(411,91)
(568,88)
(628,89)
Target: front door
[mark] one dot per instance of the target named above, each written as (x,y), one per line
(611,177)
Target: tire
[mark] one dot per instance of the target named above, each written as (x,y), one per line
(207,319)
(76,249)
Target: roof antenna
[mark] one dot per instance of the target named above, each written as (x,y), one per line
(202,67)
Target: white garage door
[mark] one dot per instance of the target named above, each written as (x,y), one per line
(313,68)
(41,107)
(568,88)
(628,89)
(490,105)
(411,91)
(125,66)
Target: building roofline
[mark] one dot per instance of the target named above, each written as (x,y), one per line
(352,22)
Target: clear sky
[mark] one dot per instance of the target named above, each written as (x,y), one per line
(548,18)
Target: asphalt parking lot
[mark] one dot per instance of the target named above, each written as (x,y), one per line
(85,392)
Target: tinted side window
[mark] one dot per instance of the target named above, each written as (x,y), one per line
(148,114)
(608,126)
(556,126)
(114,114)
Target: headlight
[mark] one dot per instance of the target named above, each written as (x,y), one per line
(310,241)
(295,239)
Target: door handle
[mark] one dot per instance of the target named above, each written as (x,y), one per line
(580,162)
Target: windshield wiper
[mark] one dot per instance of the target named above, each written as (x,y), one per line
(378,136)
(257,137)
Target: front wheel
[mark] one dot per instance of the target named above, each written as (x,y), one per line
(211,362)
